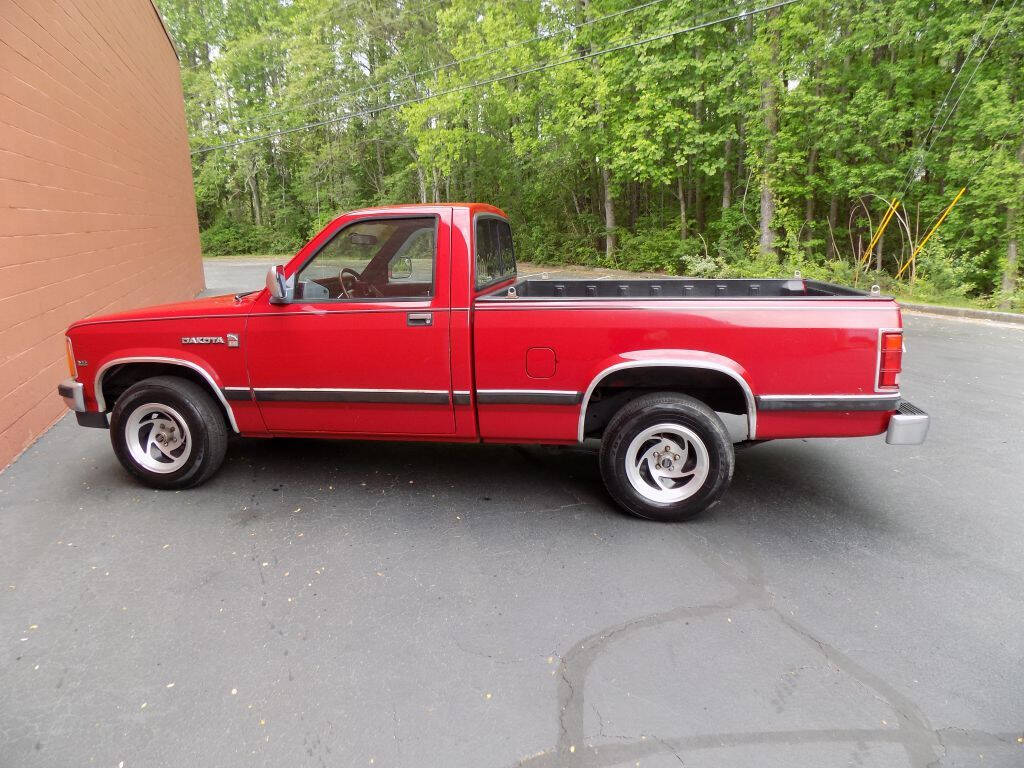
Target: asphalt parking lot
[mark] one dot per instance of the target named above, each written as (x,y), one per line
(356,604)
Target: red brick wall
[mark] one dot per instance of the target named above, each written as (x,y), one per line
(97,211)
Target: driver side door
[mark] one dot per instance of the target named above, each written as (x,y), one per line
(363,346)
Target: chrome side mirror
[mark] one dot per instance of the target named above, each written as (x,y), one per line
(278,286)
(401,268)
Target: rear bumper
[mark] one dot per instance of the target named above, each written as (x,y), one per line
(908,426)
(73,393)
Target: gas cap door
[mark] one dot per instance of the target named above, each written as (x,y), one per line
(541,362)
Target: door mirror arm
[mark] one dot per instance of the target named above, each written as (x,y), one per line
(277,286)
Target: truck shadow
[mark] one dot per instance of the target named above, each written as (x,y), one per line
(799,482)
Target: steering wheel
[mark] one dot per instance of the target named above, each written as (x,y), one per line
(350,280)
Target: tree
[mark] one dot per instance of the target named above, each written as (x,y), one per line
(766,143)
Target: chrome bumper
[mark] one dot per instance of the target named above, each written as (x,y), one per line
(73,393)
(908,426)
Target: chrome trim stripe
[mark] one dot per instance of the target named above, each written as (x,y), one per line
(238,393)
(673,363)
(527,397)
(319,312)
(242,315)
(226,317)
(461,397)
(498,298)
(485,306)
(885,396)
(828,402)
(98,381)
(328,395)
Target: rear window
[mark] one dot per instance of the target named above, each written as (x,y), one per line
(495,258)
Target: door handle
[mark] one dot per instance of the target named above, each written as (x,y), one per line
(419,318)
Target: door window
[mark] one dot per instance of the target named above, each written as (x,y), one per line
(377,259)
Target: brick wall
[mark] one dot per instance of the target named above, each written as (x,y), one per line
(97,211)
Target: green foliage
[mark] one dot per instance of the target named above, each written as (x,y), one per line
(226,237)
(657,249)
(826,106)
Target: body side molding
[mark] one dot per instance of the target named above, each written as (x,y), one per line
(527,397)
(884,402)
(342,395)
(237,393)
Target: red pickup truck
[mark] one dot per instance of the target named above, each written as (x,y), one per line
(409,323)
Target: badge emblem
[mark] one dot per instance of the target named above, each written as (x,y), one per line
(202,339)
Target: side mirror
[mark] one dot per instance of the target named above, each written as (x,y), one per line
(401,268)
(278,286)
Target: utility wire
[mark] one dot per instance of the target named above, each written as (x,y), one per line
(450,65)
(990,157)
(974,72)
(496,79)
(945,97)
(963,90)
(418,11)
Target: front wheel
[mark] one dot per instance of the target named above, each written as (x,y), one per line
(168,432)
(666,457)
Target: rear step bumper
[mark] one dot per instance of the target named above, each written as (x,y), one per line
(908,426)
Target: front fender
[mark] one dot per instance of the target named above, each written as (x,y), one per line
(200,344)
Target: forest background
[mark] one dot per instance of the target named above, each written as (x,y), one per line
(759,143)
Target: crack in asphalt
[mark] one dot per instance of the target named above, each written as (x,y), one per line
(924,745)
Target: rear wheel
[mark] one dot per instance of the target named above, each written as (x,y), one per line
(168,432)
(666,457)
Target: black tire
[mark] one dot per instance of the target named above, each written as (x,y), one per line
(693,418)
(207,432)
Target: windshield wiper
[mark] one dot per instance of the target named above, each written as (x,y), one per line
(238,296)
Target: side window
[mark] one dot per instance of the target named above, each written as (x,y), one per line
(508,256)
(495,258)
(382,258)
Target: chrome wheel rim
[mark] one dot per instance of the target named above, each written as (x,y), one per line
(667,463)
(158,438)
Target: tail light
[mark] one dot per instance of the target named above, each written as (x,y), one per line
(72,368)
(890,359)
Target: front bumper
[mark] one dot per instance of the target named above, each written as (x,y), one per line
(908,426)
(73,393)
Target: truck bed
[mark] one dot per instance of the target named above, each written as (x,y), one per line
(673,288)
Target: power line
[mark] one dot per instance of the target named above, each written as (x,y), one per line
(419,11)
(989,157)
(450,65)
(963,90)
(496,79)
(977,66)
(949,90)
